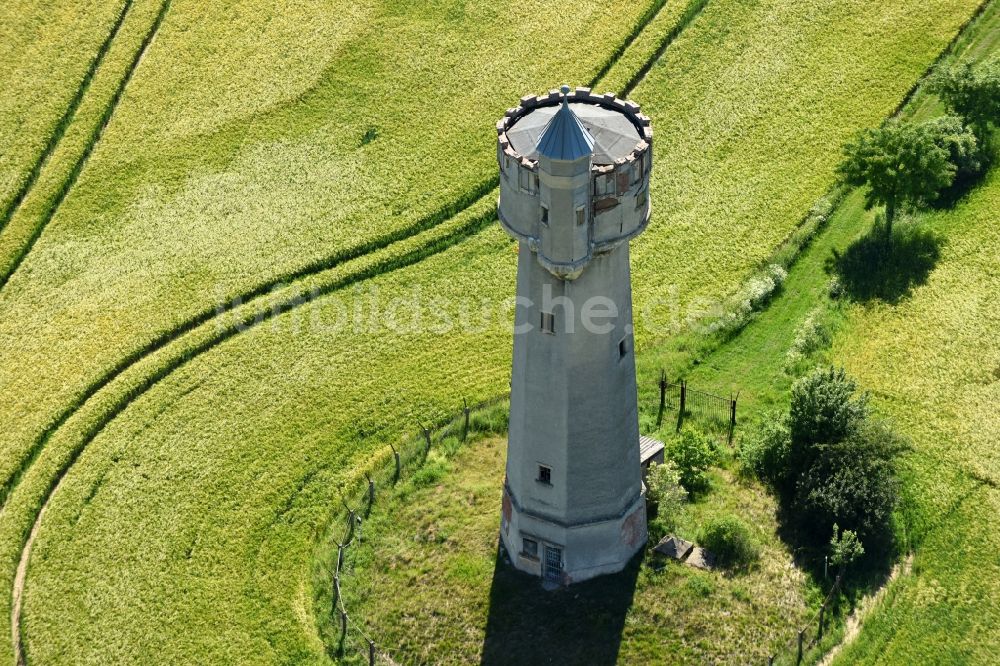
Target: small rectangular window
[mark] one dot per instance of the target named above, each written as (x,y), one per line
(529,548)
(622,347)
(545,216)
(525,179)
(640,199)
(581,216)
(548,322)
(545,475)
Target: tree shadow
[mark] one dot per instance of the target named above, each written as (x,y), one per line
(579,624)
(874,269)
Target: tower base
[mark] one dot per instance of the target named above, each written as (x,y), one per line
(563,553)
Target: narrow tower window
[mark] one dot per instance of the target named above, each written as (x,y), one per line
(548,323)
(581,215)
(622,347)
(545,216)
(545,475)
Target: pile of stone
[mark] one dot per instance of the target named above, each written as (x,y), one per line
(684,551)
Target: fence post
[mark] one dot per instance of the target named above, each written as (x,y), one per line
(770,660)
(336,589)
(371,494)
(680,414)
(663,397)
(371,653)
(465,410)
(343,623)
(427,439)
(340,557)
(802,635)
(395,454)
(350,527)
(822,612)
(732,416)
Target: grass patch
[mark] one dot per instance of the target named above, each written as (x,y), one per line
(427,583)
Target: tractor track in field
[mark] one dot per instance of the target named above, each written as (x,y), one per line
(63,123)
(254,307)
(95,137)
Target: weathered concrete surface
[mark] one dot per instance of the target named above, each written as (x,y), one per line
(573,502)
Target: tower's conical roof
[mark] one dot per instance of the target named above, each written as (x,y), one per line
(565,137)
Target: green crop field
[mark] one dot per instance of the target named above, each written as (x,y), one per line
(46,52)
(207,334)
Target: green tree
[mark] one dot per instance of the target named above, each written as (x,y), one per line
(845,548)
(904,164)
(824,408)
(972,92)
(841,463)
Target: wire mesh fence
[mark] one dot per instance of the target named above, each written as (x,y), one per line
(353,638)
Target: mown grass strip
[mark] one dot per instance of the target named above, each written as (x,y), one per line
(74,173)
(60,127)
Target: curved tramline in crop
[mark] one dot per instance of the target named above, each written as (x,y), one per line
(195,336)
(94,138)
(65,119)
(258,305)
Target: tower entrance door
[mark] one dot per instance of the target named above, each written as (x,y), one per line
(553,564)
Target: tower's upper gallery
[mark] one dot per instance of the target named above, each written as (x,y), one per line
(574,175)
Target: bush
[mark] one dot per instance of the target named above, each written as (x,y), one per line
(693,453)
(764,454)
(850,483)
(840,465)
(728,538)
(824,408)
(664,489)
(811,336)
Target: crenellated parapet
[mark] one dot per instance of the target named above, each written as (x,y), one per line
(617,177)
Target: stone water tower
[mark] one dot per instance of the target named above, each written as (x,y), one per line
(574,189)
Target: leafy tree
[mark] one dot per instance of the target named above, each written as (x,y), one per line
(905,164)
(845,548)
(972,92)
(693,453)
(840,464)
(850,483)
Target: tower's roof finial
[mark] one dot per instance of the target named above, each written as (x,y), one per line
(565,137)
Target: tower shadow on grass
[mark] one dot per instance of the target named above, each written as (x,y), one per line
(873,269)
(580,624)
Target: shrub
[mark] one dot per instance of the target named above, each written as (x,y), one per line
(824,408)
(850,483)
(811,336)
(764,454)
(693,453)
(729,539)
(845,548)
(664,489)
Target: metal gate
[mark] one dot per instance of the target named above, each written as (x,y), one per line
(553,564)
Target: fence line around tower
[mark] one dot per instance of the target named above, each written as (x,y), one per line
(410,455)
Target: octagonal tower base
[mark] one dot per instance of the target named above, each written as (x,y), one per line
(570,553)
